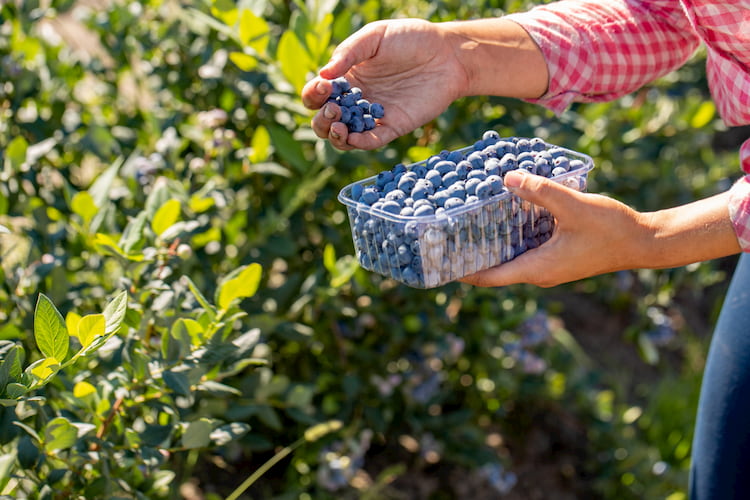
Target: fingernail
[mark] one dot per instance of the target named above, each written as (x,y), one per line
(328,112)
(335,135)
(513,179)
(320,88)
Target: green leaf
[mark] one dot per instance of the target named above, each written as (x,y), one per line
(50,332)
(294,60)
(99,190)
(15,153)
(7,464)
(260,145)
(167,215)
(197,434)
(329,258)
(245,62)
(190,329)
(228,433)
(83,389)
(10,366)
(288,148)
(90,327)
(178,382)
(83,205)
(254,32)
(133,235)
(200,298)
(703,115)
(244,285)
(44,368)
(114,313)
(59,434)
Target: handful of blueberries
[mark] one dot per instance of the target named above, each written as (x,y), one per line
(449,216)
(357,113)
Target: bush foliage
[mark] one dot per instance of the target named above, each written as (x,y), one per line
(179,304)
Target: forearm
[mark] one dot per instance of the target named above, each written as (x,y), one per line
(686,234)
(499,58)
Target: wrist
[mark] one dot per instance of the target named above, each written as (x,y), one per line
(498,58)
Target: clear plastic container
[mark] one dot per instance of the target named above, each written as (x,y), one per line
(430,251)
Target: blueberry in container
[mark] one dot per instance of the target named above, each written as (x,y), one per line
(449,216)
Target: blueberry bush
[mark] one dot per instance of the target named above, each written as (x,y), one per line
(183,315)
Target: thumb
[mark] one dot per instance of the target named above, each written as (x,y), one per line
(540,190)
(358,48)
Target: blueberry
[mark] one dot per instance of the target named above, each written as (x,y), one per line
(399,168)
(458,190)
(396,195)
(576,164)
(407,211)
(558,171)
(348,100)
(453,202)
(450,178)
(407,183)
(355,92)
(490,135)
(477,174)
(356,191)
(508,163)
(424,211)
(357,125)
(346,114)
(369,122)
(455,156)
(364,104)
(538,144)
(434,177)
(561,161)
(483,190)
(476,159)
(445,166)
(340,85)
(369,196)
(471,186)
(376,110)
(492,166)
(462,169)
(441,197)
(496,183)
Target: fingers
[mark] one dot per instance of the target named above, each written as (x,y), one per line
(315,92)
(541,191)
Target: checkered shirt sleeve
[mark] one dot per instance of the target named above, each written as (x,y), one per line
(599,50)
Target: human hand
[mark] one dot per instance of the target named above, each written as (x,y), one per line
(407,65)
(594,235)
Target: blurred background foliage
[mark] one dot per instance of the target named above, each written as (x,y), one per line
(161,148)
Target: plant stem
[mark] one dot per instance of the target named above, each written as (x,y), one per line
(264,468)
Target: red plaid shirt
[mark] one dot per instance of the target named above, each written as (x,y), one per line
(599,50)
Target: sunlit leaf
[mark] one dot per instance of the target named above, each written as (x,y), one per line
(83,205)
(245,284)
(83,389)
(50,332)
(245,62)
(45,368)
(165,216)
(90,327)
(294,60)
(254,32)
(114,313)
(260,145)
(703,115)
(59,434)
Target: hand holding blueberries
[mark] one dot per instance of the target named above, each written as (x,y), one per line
(389,62)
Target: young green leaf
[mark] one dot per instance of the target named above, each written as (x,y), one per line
(114,313)
(90,327)
(244,285)
(59,434)
(165,216)
(50,332)
(83,205)
(44,368)
(254,32)
(197,434)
